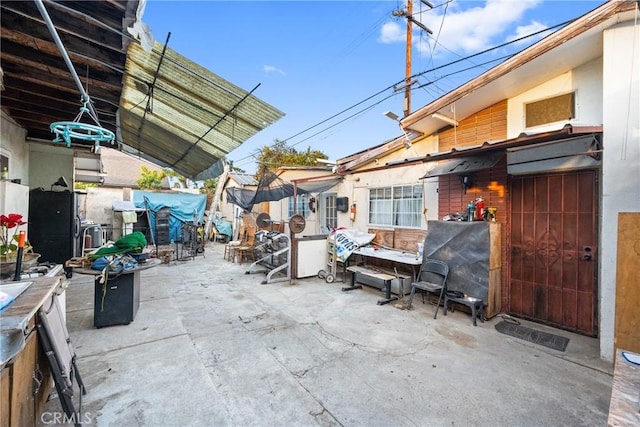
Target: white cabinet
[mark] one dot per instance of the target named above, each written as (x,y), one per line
(312,255)
(14,198)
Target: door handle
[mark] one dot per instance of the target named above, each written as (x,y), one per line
(586,253)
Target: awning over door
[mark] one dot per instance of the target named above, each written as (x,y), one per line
(582,152)
(569,148)
(178,114)
(464,165)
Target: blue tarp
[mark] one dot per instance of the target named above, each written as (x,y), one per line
(184,208)
(223,227)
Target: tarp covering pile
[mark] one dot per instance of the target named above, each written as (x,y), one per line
(184,208)
(134,242)
(272,188)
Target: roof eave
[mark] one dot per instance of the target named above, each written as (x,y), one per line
(579,26)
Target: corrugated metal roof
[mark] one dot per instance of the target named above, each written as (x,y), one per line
(179,114)
(244,178)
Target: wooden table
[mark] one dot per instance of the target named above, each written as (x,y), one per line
(624,408)
(396,257)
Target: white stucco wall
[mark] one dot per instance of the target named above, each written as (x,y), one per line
(621,160)
(47,163)
(406,175)
(14,198)
(585,80)
(279,210)
(607,94)
(13,146)
(409,175)
(98,204)
(356,187)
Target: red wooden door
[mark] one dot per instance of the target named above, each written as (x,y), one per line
(553,254)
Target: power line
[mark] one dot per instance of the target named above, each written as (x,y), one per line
(362,37)
(416,75)
(492,48)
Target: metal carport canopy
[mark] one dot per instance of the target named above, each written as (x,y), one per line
(178,114)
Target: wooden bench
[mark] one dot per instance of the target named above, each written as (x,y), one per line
(376,274)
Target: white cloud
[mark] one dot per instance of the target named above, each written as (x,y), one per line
(525,30)
(270,69)
(475,28)
(392,32)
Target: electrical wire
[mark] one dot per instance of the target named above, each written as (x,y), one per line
(255,154)
(494,48)
(419,74)
(364,36)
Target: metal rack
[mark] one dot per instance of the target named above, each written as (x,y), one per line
(332,263)
(192,242)
(273,251)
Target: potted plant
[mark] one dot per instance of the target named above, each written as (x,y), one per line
(9,244)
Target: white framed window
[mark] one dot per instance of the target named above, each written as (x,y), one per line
(302,203)
(329,220)
(5,159)
(396,206)
(4,162)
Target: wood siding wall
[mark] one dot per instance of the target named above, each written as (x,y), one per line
(490,184)
(489,124)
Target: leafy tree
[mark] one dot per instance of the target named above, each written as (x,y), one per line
(280,154)
(78,185)
(150,179)
(209,185)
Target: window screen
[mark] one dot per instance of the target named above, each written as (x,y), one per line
(550,110)
(302,203)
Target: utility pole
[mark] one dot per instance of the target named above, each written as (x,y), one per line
(408,14)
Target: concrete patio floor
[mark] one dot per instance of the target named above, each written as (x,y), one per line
(211,346)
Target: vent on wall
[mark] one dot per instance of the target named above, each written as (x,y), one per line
(342,204)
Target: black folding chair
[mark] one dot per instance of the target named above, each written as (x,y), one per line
(431,278)
(55,341)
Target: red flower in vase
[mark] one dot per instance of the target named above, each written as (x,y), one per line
(7,223)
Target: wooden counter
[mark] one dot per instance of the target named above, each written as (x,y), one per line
(624,408)
(30,301)
(25,380)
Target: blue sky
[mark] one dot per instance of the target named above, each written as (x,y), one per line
(315,59)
